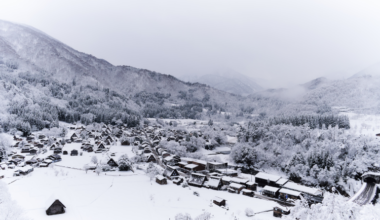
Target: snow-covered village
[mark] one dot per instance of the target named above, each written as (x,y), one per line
(199,110)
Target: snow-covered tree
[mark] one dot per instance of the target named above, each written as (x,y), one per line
(125,164)
(333,207)
(249,212)
(86,167)
(9,210)
(63,132)
(152,171)
(94,159)
(99,169)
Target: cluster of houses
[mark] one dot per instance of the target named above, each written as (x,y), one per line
(221,176)
(199,173)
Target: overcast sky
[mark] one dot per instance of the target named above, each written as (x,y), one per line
(284,42)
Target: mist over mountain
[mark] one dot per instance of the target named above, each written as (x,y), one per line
(228,81)
(45,81)
(373,70)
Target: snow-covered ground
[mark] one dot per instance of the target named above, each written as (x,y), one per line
(118,195)
(88,196)
(361,124)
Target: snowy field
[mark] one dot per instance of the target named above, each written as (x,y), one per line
(88,196)
(118,195)
(368,125)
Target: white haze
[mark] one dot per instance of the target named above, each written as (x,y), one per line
(282,43)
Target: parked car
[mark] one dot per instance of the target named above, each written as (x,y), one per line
(98,151)
(113,154)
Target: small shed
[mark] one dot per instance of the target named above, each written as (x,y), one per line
(33,151)
(74,153)
(219,201)
(251,186)
(248,192)
(178,181)
(278,212)
(56,207)
(161,180)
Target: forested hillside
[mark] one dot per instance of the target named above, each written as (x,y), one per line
(322,156)
(45,81)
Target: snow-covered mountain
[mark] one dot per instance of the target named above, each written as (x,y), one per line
(43,81)
(229,81)
(373,70)
(32,50)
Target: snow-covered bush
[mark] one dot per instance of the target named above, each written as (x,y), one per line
(98,170)
(86,168)
(181,216)
(203,216)
(249,212)
(152,171)
(94,159)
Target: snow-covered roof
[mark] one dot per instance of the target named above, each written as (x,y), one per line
(266,176)
(25,168)
(213,182)
(201,162)
(227,171)
(159,177)
(226,178)
(215,163)
(290,192)
(251,183)
(183,163)
(238,180)
(282,181)
(198,174)
(236,186)
(186,159)
(271,189)
(303,189)
(51,200)
(191,166)
(218,199)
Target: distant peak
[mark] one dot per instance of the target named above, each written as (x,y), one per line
(315,83)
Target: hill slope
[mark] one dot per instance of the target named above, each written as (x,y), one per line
(41,74)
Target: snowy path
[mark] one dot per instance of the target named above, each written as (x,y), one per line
(365,195)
